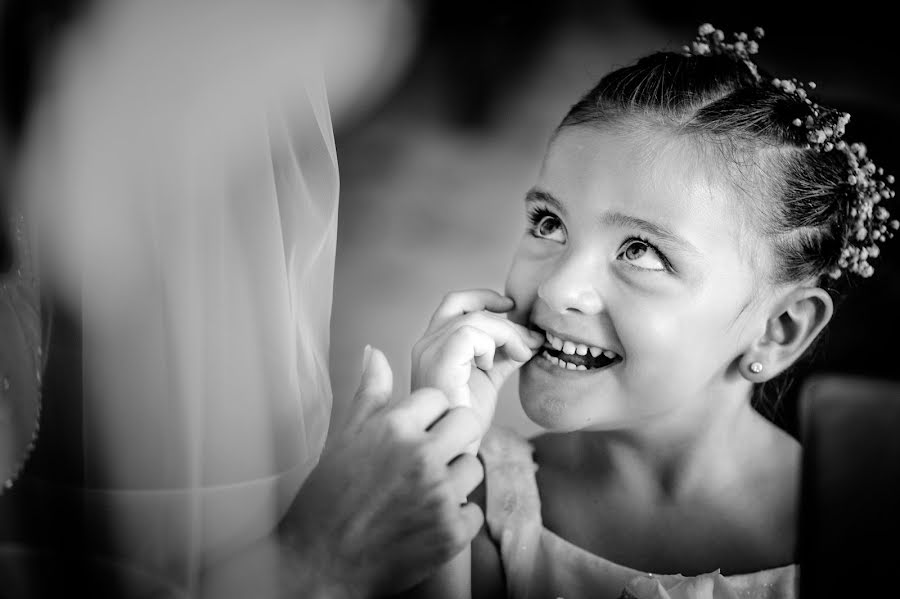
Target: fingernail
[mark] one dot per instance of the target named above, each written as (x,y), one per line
(367,357)
(536,337)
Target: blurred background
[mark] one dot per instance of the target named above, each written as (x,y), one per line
(442,110)
(443,119)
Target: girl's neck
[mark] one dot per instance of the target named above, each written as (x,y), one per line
(705,450)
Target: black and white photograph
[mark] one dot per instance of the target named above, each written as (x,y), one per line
(445,299)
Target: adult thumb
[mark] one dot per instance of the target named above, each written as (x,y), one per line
(375,387)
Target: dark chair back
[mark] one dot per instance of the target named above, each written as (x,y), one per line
(849,528)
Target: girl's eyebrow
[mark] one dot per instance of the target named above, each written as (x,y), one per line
(616,219)
(625,221)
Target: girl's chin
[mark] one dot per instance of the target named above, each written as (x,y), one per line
(556,415)
(553,409)
(570,402)
(548,419)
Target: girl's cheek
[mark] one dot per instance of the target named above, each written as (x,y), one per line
(521,285)
(671,334)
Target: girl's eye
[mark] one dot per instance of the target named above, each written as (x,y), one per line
(546,225)
(642,254)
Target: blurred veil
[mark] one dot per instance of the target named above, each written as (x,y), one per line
(182,180)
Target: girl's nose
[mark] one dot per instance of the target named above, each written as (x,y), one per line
(571,286)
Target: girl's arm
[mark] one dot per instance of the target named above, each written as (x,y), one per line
(468,351)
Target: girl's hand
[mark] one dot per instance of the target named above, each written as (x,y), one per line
(470,348)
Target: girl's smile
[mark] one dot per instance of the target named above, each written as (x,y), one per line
(571,355)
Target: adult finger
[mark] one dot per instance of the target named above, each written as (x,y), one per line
(375,388)
(473,519)
(465,472)
(421,409)
(458,429)
(457,303)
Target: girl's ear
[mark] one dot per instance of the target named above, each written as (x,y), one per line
(795,323)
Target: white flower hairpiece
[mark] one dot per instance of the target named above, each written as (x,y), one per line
(711,42)
(867,184)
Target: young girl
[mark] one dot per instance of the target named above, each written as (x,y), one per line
(690,222)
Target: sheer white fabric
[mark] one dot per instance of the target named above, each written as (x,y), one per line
(183,175)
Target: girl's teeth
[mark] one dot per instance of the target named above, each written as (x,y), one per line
(581,367)
(555,342)
(572,348)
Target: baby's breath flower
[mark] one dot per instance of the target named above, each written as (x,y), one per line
(866,184)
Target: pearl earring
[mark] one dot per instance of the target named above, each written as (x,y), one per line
(756,367)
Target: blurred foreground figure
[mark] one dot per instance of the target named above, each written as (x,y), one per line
(179,180)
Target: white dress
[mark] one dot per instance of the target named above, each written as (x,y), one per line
(183,179)
(539,564)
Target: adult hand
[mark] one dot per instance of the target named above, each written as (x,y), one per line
(383,509)
(470,349)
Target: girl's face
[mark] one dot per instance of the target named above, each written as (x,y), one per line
(636,268)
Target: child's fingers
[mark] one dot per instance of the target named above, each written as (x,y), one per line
(502,371)
(465,345)
(532,339)
(444,360)
(519,342)
(465,342)
(457,303)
